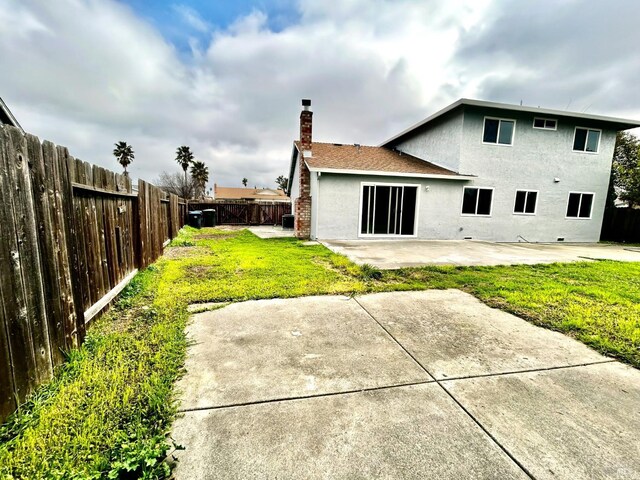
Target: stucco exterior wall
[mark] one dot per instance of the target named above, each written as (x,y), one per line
(533,162)
(338,215)
(439,143)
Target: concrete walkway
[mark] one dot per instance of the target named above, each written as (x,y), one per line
(390,254)
(403,385)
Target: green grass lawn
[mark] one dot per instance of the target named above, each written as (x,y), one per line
(109,409)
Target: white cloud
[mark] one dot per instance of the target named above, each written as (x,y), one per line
(191,17)
(87,73)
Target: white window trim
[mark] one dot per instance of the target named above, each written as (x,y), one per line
(545,121)
(575,131)
(593,201)
(535,210)
(477,200)
(513,133)
(385,235)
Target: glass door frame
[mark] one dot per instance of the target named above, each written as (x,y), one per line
(388,184)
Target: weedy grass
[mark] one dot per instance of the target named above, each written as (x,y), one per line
(108,410)
(597,302)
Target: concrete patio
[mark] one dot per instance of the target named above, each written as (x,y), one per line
(430,384)
(390,254)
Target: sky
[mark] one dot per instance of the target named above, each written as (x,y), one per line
(226,77)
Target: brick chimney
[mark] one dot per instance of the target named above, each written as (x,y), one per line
(303,202)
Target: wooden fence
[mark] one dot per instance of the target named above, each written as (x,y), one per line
(245,213)
(621,225)
(72,235)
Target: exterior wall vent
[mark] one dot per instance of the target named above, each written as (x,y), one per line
(468,238)
(561,239)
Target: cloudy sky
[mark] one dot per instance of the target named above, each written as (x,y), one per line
(226,77)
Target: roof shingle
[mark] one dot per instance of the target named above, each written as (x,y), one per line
(365,158)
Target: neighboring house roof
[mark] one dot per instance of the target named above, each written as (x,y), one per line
(7,117)
(339,158)
(231,193)
(616,123)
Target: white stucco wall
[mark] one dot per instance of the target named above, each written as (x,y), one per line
(439,143)
(338,215)
(534,160)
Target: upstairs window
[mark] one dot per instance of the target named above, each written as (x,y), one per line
(586,140)
(498,131)
(545,123)
(525,202)
(477,201)
(579,205)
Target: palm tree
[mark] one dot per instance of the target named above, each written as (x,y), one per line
(124,154)
(200,175)
(245,181)
(184,157)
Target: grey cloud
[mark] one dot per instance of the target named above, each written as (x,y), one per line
(552,53)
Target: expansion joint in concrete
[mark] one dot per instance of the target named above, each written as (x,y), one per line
(455,400)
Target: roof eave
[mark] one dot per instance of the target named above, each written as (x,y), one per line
(617,123)
(10,115)
(380,173)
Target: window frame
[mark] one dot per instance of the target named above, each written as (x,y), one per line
(593,200)
(500,119)
(535,210)
(388,184)
(477,200)
(575,132)
(545,122)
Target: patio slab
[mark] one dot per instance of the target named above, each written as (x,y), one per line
(414,432)
(391,254)
(274,349)
(576,423)
(452,334)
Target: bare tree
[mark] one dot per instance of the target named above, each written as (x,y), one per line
(174,182)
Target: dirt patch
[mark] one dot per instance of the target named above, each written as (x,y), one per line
(184,252)
(199,271)
(208,236)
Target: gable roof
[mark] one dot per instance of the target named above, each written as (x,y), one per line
(617,123)
(339,158)
(7,117)
(232,193)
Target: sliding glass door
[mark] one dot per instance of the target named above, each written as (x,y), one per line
(388,210)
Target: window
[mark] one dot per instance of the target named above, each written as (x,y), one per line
(579,205)
(388,209)
(498,131)
(526,202)
(586,140)
(477,201)
(545,123)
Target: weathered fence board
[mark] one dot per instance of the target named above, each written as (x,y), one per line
(245,213)
(72,236)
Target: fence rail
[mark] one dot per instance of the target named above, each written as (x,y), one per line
(621,225)
(72,235)
(244,212)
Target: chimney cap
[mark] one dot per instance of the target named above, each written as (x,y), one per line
(306,102)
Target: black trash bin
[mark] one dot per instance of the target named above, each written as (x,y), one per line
(195,218)
(287,221)
(209,217)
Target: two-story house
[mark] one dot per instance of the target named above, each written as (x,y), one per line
(473,170)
